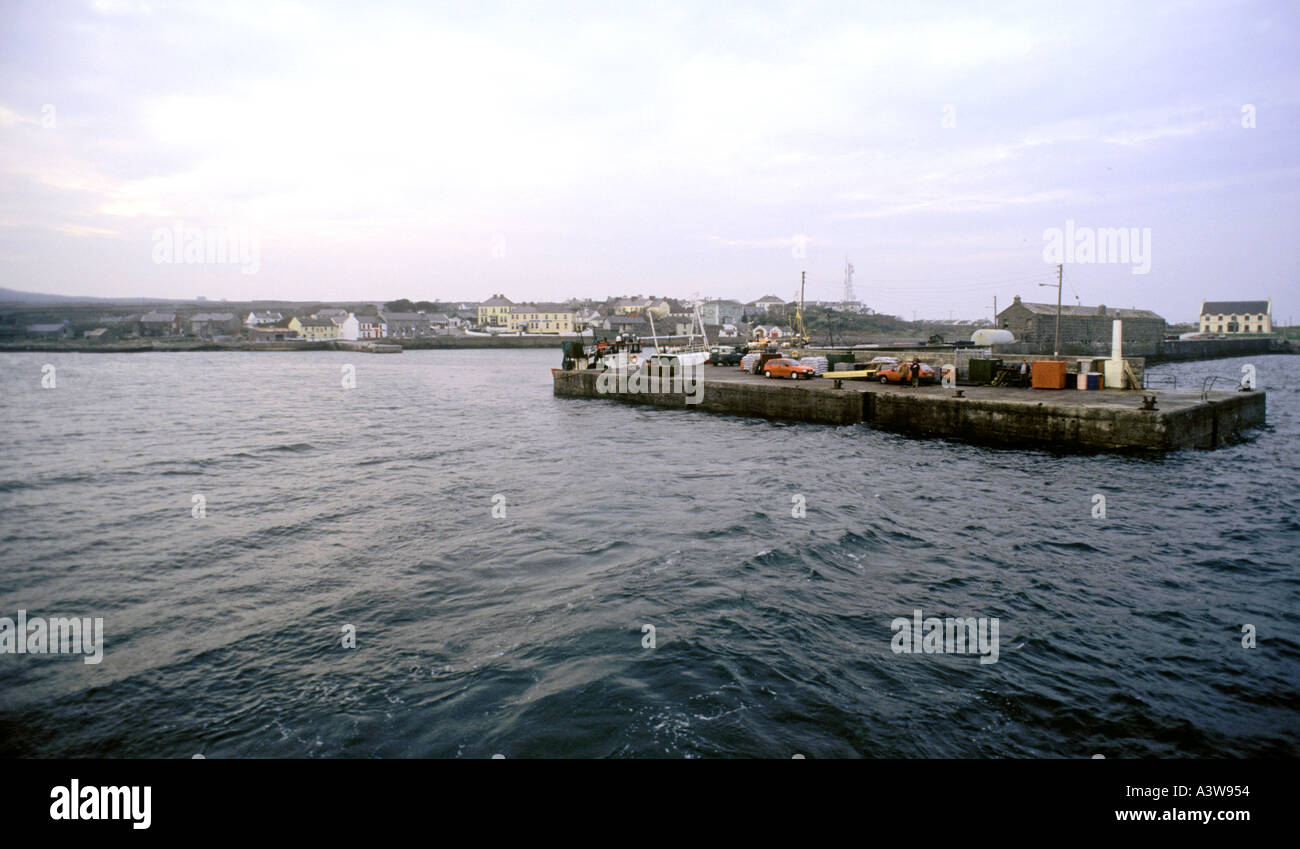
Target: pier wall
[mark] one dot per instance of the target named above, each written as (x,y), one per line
(1005,417)
(830,407)
(1207,349)
(1206,425)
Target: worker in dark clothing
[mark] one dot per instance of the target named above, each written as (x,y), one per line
(916,371)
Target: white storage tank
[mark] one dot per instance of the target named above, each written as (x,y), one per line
(986,336)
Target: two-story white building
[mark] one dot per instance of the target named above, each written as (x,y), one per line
(1237,316)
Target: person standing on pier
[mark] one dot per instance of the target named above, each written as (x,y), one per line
(916,371)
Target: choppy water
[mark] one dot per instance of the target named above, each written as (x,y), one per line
(523,635)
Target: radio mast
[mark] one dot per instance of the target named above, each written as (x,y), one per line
(848,283)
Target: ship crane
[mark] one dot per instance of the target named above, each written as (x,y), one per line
(800,338)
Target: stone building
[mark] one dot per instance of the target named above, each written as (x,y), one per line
(722,312)
(1237,316)
(1084,330)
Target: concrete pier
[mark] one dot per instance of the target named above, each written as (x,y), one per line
(1106,420)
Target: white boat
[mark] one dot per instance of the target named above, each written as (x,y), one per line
(628,361)
(672,356)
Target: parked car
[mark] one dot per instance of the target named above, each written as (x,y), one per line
(786,367)
(902,373)
(879,364)
(725,355)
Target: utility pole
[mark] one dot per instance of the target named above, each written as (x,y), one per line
(1060,274)
(1060,271)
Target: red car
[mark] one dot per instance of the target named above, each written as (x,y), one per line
(902,373)
(784,367)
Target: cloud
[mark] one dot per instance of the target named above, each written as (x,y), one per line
(677,146)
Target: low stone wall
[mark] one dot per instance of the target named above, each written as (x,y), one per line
(936,357)
(1207,349)
(441,342)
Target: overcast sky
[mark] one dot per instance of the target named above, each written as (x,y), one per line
(547,150)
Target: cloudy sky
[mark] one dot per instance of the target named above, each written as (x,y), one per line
(547,150)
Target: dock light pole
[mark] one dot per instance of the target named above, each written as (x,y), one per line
(1059,273)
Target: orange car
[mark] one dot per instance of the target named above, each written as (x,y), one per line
(785,367)
(902,373)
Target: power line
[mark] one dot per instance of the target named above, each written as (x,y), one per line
(984,277)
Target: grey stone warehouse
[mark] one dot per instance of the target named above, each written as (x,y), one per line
(1084,330)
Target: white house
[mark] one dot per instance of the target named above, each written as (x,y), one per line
(349,328)
(261,319)
(766,304)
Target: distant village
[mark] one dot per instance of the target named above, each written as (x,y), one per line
(1037,327)
(767,317)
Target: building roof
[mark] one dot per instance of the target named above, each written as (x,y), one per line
(1085,311)
(159,316)
(331,312)
(46,328)
(274,316)
(405,316)
(369,319)
(1234,307)
(316,322)
(213,316)
(497,301)
(541,307)
(625,319)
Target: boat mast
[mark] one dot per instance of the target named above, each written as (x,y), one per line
(703,334)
